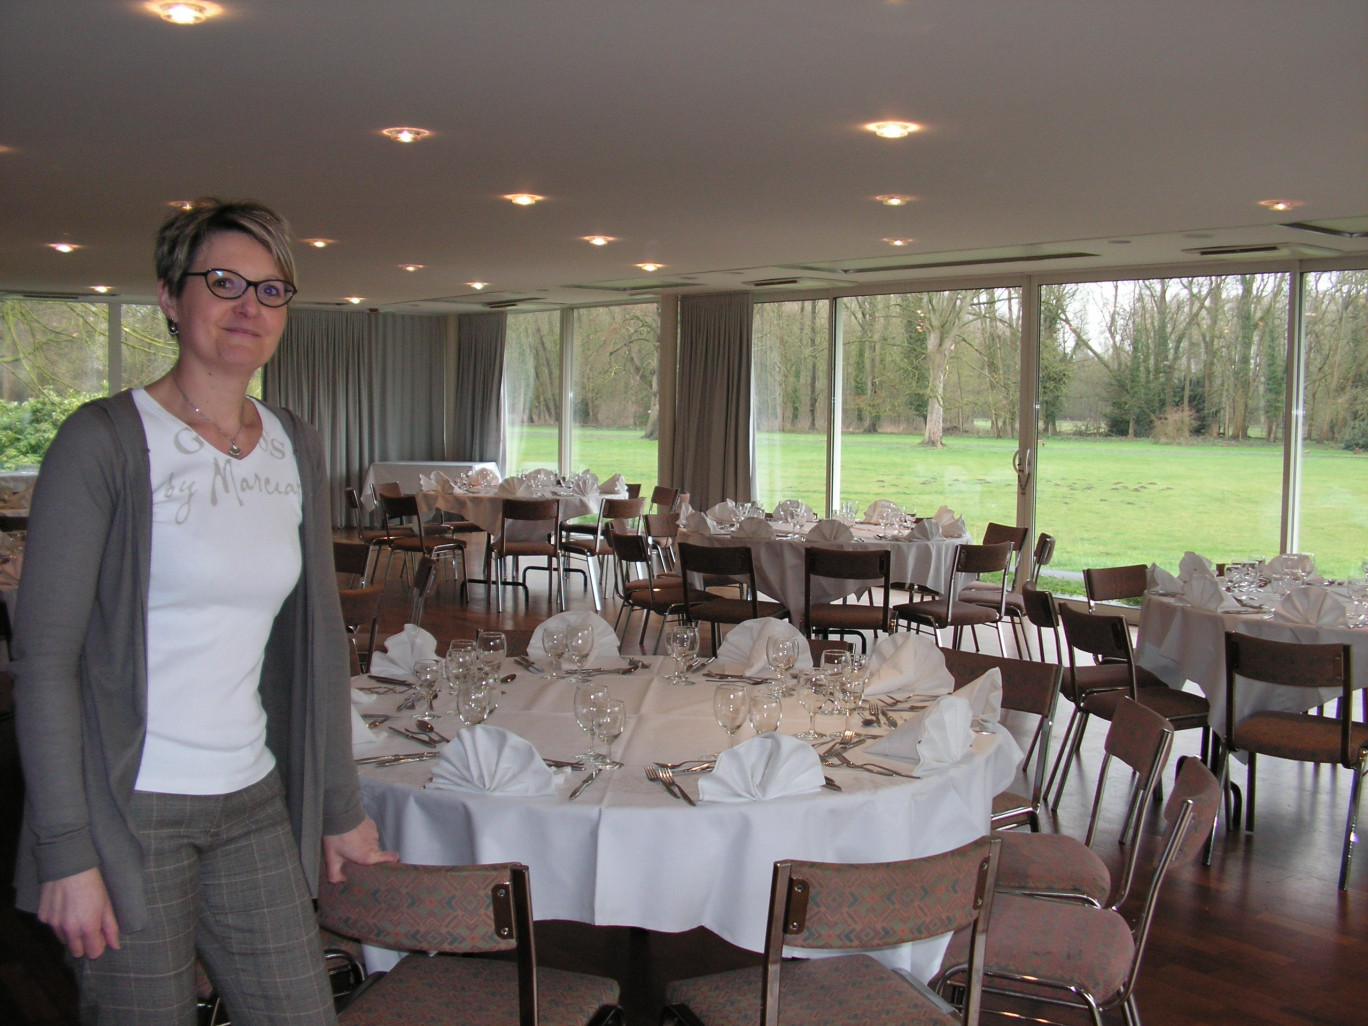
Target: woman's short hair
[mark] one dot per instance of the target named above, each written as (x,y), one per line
(186,230)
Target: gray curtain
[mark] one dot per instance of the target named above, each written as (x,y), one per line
(712,440)
(476,425)
(371,384)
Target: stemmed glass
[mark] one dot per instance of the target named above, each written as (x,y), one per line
(609,722)
(812,696)
(554,640)
(782,654)
(766,710)
(492,647)
(579,646)
(731,706)
(850,691)
(590,697)
(681,642)
(427,676)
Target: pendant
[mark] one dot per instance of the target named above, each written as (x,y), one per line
(234,451)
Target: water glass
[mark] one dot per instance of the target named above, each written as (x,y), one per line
(579,645)
(554,640)
(766,710)
(492,647)
(460,663)
(812,694)
(782,654)
(427,676)
(475,701)
(609,722)
(590,697)
(731,706)
(681,642)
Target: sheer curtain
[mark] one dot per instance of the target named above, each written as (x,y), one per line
(476,405)
(712,435)
(370,384)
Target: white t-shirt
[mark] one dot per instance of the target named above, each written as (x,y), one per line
(225,556)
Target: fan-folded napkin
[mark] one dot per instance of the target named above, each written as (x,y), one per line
(402,651)
(586,484)
(984,695)
(769,765)
(615,484)
(697,522)
(605,638)
(794,506)
(724,512)
(1191,564)
(830,531)
(925,530)
(951,525)
(936,737)
(877,507)
(436,482)
(1312,605)
(908,662)
(484,477)
(1203,592)
(516,488)
(1161,582)
(754,527)
(744,646)
(485,758)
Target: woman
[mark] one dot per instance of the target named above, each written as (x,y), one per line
(181,673)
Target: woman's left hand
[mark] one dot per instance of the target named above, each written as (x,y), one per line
(361,845)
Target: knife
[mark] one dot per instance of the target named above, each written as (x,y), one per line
(528,664)
(579,788)
(413,737)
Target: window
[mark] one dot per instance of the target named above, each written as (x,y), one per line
(790,402)
(615,412)
(532,391)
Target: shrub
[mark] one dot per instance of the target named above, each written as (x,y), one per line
(1355,436)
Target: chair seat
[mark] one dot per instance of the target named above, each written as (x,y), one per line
(443,989)
(1288,735)
(935,613)
(586,546)
(728,610)
(849,990)
(665,580)
(986,594)
(1058,941)
(658,599)
(428,544)
(1010,809)
(1181,708)
(1051,864)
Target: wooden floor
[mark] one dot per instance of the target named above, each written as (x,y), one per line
(1262,937)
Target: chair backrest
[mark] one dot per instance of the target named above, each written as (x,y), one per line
(352,558)
(1109,583)
(982,559)
(390,488)
(1294,665)
(716,560)
(622,509)
(846,906)
(537,511)
(864,564)
(361,615)
(424,580)
(634,490)
(663,498)
(631,549)
(451,909)
(353,498)
(1104,636)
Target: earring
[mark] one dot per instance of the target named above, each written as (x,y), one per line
(173,328)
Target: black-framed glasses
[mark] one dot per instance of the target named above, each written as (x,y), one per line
(231,285)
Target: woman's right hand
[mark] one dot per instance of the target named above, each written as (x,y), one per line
(77,908)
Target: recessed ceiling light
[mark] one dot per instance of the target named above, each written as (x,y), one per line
(898,242)
(648,267)
(184,12)
(319,243)
(412,267)
(478,285)
(355,300)
(101,289)
(406,135)
(599,240)
(1280,204)
(893,129)
(893,200)
(63,247)
(523,199)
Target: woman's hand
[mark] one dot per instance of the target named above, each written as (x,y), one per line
(361,845)
(77,908)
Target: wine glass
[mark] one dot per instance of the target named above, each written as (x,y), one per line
(590,697)
(460,662)
(850,692)
(812,694)
(609,722)
(554,640)
(681,642)
(782,654)
(731,706)
(427,676)
(579,645)
(492,647)
(766,710)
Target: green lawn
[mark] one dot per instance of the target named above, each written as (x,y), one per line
(1107,500)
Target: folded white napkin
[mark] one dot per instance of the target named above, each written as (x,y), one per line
(925,530)
(754,527)
(951,524)
(1289,562)
(585,484)
(402,651)
(484,477)
(1161,582)
(540,477)
(1313,605)
(516,488)
(697,522)
(1192,563)
(362,737)
(794,506)
(605,638)
(1203,592)
(878,506)
(445,485)
(937,736)
(744,646)
(485,758)
(724,512)
(769,765)
(984,695)
(907,662)
(615,484)
(830,531)
(427,482)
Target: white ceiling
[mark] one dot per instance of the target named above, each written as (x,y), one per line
(720,138)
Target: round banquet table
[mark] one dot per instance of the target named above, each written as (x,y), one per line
(1178,642)
(626,853)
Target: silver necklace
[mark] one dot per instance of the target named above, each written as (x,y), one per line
(233,449)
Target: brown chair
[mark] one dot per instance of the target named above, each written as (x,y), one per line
(361,617)
(527,528)
(867,565)
(421,582)
(661,531)
(663,498)
(1288,735)
(949,613)
(596,548)
(1027,687)
(457,911)
(1014,602)
(1106,637)
(1114,583)
(702,562)
(1086,958)
(353,559)
(649,593)
(401,511)
(368,535)
(821,905)
(1059,866)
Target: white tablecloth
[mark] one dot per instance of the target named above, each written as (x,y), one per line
(1178,643)
(483,507)
(405,473)
(780,569)
(626,853)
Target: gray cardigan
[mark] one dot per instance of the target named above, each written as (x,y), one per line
(81,662)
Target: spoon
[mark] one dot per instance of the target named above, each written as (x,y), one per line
(508,678)
(427,728)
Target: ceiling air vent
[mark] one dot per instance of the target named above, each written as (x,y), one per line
(1256,250)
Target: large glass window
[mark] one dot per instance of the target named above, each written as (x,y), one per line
(148,350)
(532,391)
(790,402)
(616,409)
(1334,483)
(1160,419)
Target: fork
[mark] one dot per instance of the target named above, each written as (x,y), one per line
(667,775)
(870,767)
(653,773)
